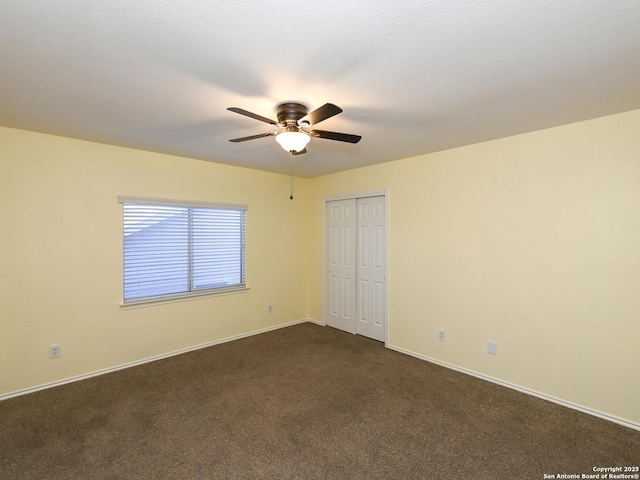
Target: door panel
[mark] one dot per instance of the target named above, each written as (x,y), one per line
(371,293)
(341,270)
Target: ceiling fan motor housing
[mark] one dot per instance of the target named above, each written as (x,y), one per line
(289,113)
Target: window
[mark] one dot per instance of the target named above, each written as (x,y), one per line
(176,249)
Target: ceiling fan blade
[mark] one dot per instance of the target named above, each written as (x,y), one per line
(304,150)
(340,137)
(252,115)
(328,110)
(252,137)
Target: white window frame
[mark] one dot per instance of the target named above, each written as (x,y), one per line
(187,295)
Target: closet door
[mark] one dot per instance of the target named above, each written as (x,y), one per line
(355,261)
(370,270)
(340,264)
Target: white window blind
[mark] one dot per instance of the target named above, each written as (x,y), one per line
(177,250)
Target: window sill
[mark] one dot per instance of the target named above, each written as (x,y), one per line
(182,297)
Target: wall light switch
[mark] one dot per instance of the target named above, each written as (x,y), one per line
(492,348)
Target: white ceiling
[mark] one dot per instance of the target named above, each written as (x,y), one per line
(412,77)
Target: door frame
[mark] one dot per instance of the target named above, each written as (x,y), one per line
(348,196)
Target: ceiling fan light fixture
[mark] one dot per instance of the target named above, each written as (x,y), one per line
(293,141)
(294,120)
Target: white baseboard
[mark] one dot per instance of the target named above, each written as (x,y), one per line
(317,322)
(564,403)
(96,373)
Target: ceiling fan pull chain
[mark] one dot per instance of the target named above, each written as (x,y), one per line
(291,197)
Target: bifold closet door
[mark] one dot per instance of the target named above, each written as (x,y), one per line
(340,264)
(370,268)
(355,289)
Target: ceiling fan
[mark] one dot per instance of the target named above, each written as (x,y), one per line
(294,122)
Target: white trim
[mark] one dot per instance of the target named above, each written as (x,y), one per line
(180,203)
(348,196)
(564,403)
(324,270)
(181,297)
(533,393)
(96,373)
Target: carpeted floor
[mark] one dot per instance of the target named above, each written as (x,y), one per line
(303,402)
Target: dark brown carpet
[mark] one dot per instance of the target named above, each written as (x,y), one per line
(304,402)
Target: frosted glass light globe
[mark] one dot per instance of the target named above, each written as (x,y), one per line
(293,141)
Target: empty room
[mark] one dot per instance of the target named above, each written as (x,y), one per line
(341,240)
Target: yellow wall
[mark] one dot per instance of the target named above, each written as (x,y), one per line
(61,251)
(532,241)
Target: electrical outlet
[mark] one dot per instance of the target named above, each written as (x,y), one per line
(442,335)
(270,308)
(492,348)
(54,351)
